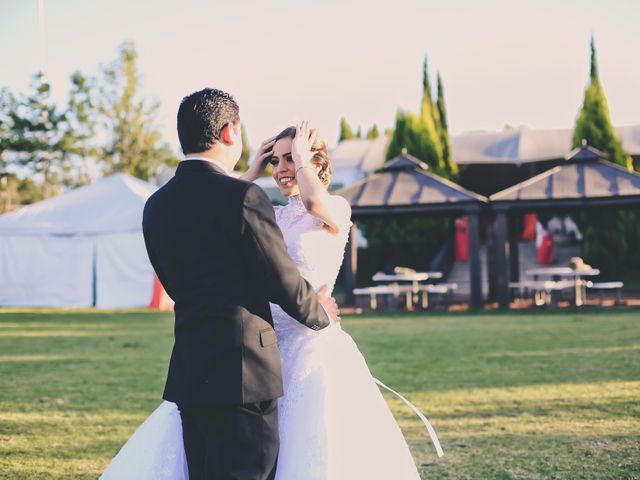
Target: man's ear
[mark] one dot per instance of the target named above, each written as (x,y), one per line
(229,134)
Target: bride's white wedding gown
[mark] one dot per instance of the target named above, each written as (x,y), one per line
(334,423)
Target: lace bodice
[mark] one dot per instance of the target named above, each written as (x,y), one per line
(317,253)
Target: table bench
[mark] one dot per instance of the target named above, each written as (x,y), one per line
(603,287)
(395,291)
(545,292)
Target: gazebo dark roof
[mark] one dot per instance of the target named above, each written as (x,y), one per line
(405,186)
(585,178)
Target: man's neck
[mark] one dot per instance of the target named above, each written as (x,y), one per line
(212,157)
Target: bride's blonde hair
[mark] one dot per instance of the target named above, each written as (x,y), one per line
(320,154)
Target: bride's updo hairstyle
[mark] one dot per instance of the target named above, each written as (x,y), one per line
(320,154)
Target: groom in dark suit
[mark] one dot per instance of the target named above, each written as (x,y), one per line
(215,246)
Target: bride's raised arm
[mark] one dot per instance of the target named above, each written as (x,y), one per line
(313,192)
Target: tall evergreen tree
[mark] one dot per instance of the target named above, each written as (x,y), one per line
(412,134)
(594,122)
(429,120)
(449,164)
(243,163)
(373,132)
(359,132)
(346,132)
(134,142)
(610,237)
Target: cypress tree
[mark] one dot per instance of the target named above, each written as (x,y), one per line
(610,237)
(449,164)
(427,125)
(373,132)
(594,122)
(346,132)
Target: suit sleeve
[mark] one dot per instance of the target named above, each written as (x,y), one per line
(264,247)
(152,257)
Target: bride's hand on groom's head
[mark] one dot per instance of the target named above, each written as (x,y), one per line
(329,304)
(264,153)
(259,164)
(302,143)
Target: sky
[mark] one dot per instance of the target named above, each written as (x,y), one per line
(518,63)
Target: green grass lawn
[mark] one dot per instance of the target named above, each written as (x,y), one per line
(534,396)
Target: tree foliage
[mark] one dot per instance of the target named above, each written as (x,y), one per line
(443,130)
(594,122)
(373,132)
(38,136)
(243,163)
(104,126)
(425,136)
(610,238)
(346,132)
(134,142)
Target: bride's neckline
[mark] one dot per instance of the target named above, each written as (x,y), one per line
(295,202)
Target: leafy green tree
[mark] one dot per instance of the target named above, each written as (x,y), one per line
(243,163)
(37,136)
(373,132)
(134,143)
(594,122)
(346,132)
(450,166)
(82,119)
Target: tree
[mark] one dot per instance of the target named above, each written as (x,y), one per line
(134,143)
(412,134)
(373,132)
(594,122)
(243,163)
(610,238)
(449,165)
(37,136)
(82,119)
(419,135)
(346,132)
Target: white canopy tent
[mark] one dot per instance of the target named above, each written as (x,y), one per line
(84,248)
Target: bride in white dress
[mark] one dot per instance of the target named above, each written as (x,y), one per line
(334,423)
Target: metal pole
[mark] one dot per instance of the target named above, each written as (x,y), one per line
(475,265)
(42,38)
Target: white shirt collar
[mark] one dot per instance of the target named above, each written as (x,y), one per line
(218,163)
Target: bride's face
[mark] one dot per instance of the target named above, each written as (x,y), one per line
(284,172)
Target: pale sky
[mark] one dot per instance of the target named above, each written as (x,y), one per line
(502,62)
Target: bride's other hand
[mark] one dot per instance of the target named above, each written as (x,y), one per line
(302,143)
(259,164)
(329,304)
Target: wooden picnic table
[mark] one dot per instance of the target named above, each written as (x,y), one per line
(574,274)
(413,278)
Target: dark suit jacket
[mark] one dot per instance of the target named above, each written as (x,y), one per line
(216,248)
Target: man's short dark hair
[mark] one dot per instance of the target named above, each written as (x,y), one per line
(202,116)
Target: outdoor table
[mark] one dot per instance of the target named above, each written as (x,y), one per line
(557,272)
(414,278)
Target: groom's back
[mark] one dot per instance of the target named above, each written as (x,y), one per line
(192,229)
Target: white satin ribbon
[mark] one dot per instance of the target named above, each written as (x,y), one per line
(430,429)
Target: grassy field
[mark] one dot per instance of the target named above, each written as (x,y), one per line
(532,396)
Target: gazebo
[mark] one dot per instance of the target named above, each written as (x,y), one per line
(405,187)
(585,180)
